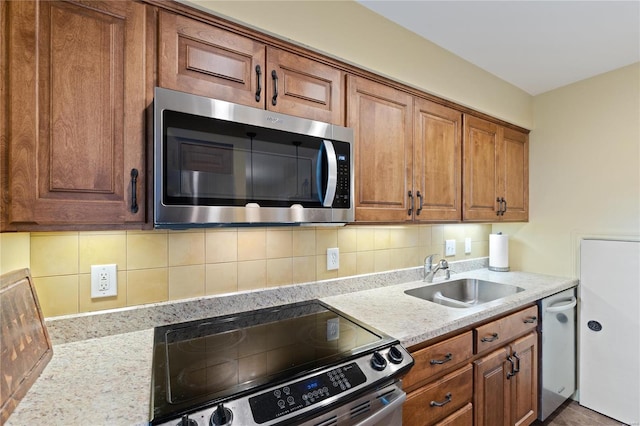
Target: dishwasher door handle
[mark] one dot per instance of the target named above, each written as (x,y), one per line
(564,307)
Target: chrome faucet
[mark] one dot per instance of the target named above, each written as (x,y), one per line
(430,271)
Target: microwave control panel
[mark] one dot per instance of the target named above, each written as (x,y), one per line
(342,198)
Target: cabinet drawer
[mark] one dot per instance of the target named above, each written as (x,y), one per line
(462,417)
(440,399)
(439,357)
(499,332)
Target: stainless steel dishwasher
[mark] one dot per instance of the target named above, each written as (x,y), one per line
(557,348)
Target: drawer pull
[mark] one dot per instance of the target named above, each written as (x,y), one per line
(448,357)
(440,404)
(530,320)
(491,338)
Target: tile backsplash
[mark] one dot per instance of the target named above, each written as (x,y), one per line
(160,265)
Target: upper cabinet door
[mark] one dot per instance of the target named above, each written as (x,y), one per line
(382,119)
(513,161)
(303,87)
(202,59)
(481,139)
(437,162)
(77,92)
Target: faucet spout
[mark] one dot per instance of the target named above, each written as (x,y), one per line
(430,271)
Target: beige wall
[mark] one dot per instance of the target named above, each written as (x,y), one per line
(350,32)
(156,266)
(584,171)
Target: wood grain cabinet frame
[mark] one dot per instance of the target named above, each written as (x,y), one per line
(496,172)
(200,58)
(77,89)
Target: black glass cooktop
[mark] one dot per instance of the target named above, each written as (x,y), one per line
(204,362)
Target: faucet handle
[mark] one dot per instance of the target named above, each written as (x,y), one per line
(429,258)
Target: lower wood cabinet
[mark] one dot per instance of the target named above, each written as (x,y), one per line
(487,375)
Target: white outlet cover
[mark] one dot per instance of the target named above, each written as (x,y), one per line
(450,248)
(333,259)
(467,245)
(104,281)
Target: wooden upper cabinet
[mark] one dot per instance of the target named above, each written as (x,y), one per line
(437,173)
(382,120)
(198,58)
(496,172)
(77,92)
(299,86)
(513,161)
(205,60)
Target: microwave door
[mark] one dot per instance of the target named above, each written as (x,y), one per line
(327,173)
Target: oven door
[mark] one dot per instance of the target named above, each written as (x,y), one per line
(382,407)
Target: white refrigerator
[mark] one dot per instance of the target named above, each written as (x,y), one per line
(609,328)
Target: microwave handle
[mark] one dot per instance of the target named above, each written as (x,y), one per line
(327,151)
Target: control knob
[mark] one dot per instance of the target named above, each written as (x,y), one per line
(221,417)
(395,355)
(186,421)
(378,362)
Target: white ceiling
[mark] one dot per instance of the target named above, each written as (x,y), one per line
(535,45)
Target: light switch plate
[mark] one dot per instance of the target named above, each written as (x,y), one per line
(450,248)
(467,245)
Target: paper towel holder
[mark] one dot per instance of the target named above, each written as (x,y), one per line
(498,268)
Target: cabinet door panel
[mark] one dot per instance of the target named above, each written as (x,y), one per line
(492,390)
(306,88)
(204,60)
(525,382)
(437,168)
(382,121)
(480,169)
(77,92)
(513,158)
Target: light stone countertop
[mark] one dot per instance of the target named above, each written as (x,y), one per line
(107,380)
(412,320)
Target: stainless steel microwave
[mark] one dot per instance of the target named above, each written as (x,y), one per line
(217,163)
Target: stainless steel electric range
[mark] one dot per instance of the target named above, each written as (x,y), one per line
(302,363)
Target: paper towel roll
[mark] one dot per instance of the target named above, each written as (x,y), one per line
(498,252)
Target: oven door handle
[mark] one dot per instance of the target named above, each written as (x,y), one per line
(379,415)
(327,152)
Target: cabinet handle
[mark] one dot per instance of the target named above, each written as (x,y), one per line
(499,206)
(134,198)
(504,209)
(440,404)
(259,80)
(410,204)
(274,75)
(419,195)
(491,338)
(511,373)
(530,320)
(517,369)
(448,357)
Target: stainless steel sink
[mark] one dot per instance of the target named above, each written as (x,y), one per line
(464,293)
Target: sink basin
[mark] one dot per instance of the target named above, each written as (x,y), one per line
(464,293)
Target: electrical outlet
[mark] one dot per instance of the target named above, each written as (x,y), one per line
(467,245)
(104,280)
(450,248)
(333,258)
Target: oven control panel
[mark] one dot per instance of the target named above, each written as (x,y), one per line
(295,396)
